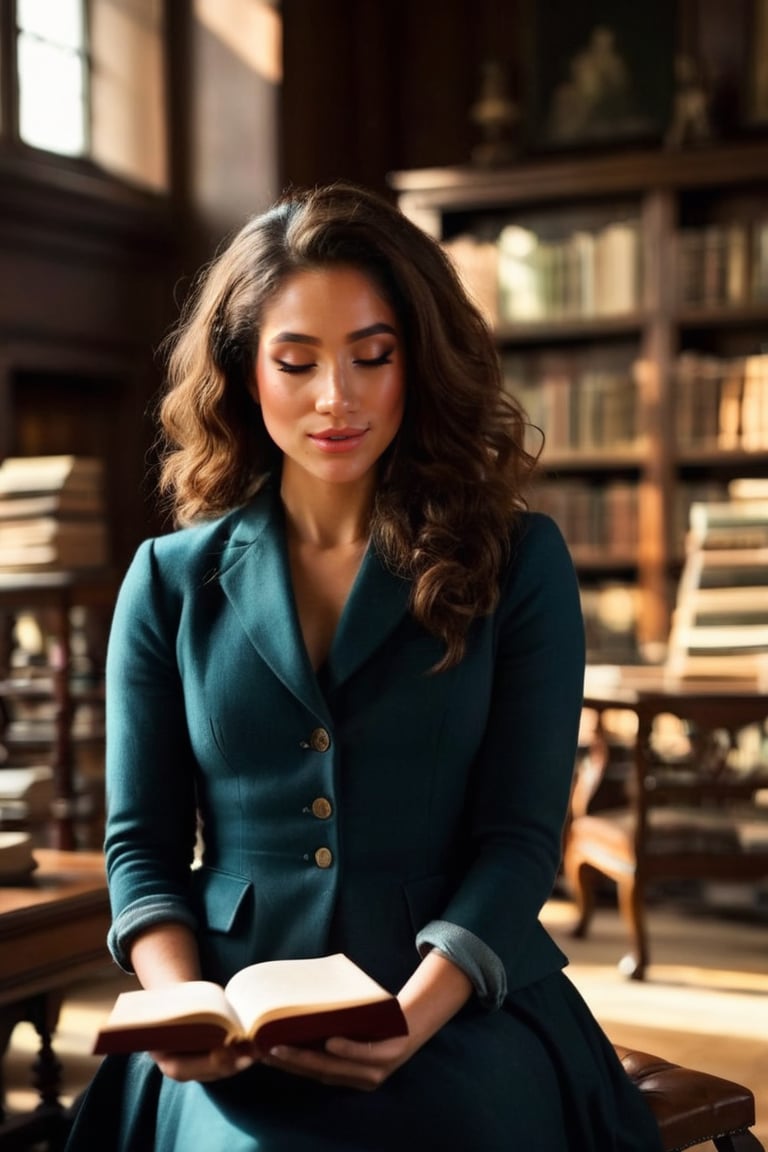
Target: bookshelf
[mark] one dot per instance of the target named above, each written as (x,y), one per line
(65,689)
(629,297)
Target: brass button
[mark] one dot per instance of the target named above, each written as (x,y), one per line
(320,740)
(321,808)
(323,857)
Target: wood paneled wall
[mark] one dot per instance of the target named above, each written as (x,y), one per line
(370,87)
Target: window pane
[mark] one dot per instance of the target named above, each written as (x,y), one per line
(57,21)
(50,98)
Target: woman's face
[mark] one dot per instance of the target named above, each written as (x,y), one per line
(330,375)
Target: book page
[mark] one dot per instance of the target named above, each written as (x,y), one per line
(277,988)
(198,1001)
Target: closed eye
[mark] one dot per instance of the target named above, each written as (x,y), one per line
(292,369)
(375,361)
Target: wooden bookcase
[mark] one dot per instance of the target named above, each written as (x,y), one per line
(68,688)
(656,338)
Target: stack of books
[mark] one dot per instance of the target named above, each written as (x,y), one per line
(17,859)
(52,513)
(26,795)
(720,623)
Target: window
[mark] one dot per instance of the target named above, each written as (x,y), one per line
(86,79)
(52,75)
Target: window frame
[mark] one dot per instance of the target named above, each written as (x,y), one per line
(85,57)
(80,174)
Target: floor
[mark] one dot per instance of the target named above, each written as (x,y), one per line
(704,1002)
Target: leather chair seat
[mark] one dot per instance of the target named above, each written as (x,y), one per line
(693,1107)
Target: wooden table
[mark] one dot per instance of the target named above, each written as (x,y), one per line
(648,692)
(52,934)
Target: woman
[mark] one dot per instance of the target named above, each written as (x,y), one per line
(352,680)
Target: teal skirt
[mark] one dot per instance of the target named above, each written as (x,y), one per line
(539,1075)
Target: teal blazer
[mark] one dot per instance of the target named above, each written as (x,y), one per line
(348,810)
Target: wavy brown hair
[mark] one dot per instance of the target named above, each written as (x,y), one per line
(452,482)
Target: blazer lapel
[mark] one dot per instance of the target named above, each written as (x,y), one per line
(256,579)
(377,603)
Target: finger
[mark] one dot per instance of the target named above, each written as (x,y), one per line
(204,1067)
(330,1068)
(365,1051)
(326,1069)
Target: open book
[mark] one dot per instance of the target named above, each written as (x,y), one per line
(299,1002)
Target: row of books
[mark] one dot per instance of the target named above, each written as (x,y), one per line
(722,402)
(578,408)
(523,276)
(599,519)
(723,264)
(52,513)
(605,516)
(720,622)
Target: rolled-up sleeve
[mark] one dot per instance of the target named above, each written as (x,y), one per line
(476,959)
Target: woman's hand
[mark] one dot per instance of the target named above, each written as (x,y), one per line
(217,1064)
(435,992)
(345,1063)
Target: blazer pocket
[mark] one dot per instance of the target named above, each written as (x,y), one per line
(220,896)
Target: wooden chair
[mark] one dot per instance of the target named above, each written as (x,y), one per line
(688,817)
(693,1107)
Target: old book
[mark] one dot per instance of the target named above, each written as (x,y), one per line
(477,262)
(728,524)
(729,412)
(300,1002)
(30,475)
(520,295)
(68,502)
(27,789)
(48,529)
(749,488)
(16,856)
(754,403)
(50,543)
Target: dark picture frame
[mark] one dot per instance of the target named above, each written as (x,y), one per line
(599,73)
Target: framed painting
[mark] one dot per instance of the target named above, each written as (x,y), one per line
(599,73)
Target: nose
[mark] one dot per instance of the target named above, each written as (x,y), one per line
(336,395)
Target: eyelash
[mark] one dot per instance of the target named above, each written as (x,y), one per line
(375,362)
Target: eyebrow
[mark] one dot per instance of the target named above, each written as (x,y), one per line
(358,334)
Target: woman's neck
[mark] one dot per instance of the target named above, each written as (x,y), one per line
(326,515)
